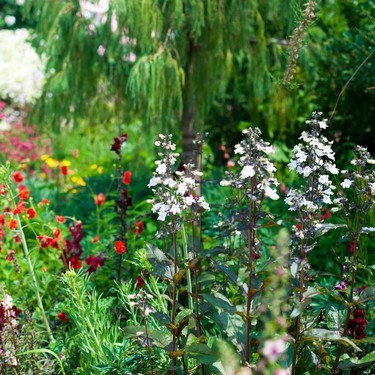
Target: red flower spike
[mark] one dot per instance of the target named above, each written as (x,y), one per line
(120,247)
(30,213)
(127,178)
(95,239)
(140,282)
(23,192)
(18,177)
(99,199)
(2,219)
(63,317)
(60,219)
(64,170)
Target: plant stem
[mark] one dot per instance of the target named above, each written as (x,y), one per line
(251,235)
(352,283)
(174,298)
(188,273)
(33,277)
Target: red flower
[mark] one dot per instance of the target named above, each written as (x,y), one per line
(30,213)
(2,219)
(3,189)
(75,263)
(60,219)
(140,282)
(357,325)
(99,199)
(20,207)
(63,317)
(120,247)
(138,228)
(94,262)
(56,233)
(45,241)
(64,170)
(18,177)
(118,142)
(127,178)
(12,224)
(10,255)
(43,202)
(23,192)
(95,239)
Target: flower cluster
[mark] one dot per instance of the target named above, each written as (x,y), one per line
(314,160)
(357,325)
(175,191)
(8,318)
(21,70)
(257,171)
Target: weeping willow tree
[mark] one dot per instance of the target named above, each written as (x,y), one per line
(165,60)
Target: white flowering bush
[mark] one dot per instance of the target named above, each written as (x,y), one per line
(21,69)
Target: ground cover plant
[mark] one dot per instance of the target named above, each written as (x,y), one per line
(206,276)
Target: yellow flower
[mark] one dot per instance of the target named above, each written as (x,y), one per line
(94,166)
(65,163)
(100,170)
(44,157)
(52,163)
(78,181)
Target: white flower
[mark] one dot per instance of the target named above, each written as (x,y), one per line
(247,171)
(324,179)
(202,203)
(175,209)
(331,168)
(154,181)
(225,183)
(161,168)
(270,193)
(181,188)
(323,124)
(10,20)
(372,187)
(346,183)
(238,149)
(189,200)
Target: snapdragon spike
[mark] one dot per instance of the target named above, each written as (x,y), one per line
(175,192)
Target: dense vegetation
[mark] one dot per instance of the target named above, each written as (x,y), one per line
(246,247)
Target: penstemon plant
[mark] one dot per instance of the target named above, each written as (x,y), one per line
(315,161)
(176,203)
(251,187)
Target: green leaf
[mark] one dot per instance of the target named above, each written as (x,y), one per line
(325,334)
(161,265)
(202,353)
(161,339)
(219,301)
(370,357)
(324,228)
(367,294)
(367,230)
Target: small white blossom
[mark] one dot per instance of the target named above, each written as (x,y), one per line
(346,183)
(272,349)
(247,171)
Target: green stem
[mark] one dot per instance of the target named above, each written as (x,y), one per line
(188,273)
(33,278)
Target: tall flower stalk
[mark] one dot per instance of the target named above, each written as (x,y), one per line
(254,183)
(18,205)
(176,202)
(313,160)
(355,200)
